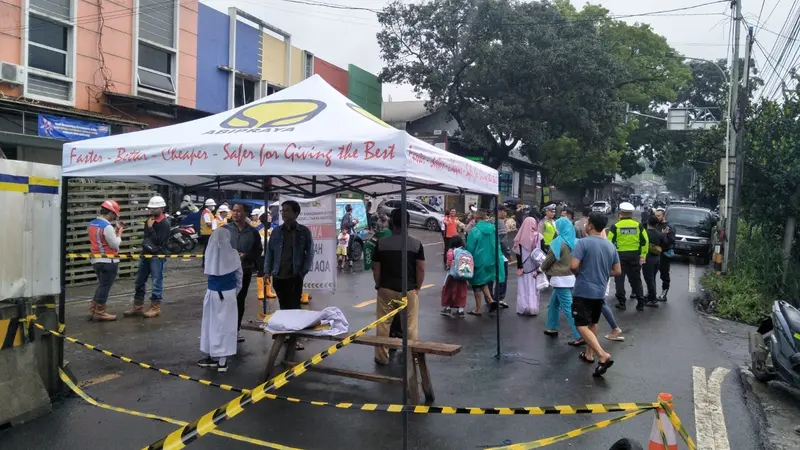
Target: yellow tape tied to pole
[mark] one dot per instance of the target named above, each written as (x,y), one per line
(180,438)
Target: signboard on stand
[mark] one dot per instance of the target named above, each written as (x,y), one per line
(319,215)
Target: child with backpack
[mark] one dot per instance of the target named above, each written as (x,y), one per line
(460,268)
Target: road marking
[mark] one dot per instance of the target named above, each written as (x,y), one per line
(100,379)
(433,243)
(692,282)
(709,418)
(370,302)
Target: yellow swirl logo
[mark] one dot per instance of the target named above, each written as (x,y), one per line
(369,116)
(279,113)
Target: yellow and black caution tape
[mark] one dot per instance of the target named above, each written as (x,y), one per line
(569,434)
(45,306)
(661,430)
(225,387)
(131,412)
(181,437)
(676,422)
(130,256)
(589,408)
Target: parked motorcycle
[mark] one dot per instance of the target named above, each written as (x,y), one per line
(182,239)
(775,346)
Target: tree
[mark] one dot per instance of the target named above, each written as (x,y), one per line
(506,71)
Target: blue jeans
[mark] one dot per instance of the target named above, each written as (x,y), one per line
(154,268)
(561,299)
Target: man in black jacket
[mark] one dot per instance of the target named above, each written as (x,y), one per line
(156,235)
(667,253)
(246,240)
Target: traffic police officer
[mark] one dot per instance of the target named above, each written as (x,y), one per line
(630,239)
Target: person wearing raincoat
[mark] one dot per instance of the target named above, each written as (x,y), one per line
(484,245)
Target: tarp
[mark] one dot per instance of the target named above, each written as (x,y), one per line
(306,130)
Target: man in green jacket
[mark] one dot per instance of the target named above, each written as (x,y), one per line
(631,241)
(483,244)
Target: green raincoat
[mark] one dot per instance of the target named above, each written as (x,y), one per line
(485,253)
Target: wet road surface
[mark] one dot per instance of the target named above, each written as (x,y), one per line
(661,350)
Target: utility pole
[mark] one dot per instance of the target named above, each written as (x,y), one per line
(739,167)
(730,158)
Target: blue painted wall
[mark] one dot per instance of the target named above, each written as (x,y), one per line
(212,44)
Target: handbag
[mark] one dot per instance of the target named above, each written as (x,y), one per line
(541,282)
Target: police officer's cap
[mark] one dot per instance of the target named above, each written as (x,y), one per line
(551,207)
(626,207)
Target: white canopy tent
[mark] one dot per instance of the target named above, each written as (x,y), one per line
(305,140)
(307,130)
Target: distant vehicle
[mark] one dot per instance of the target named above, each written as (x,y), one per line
(419,215)
(693,230)
(684,202)
(603,207)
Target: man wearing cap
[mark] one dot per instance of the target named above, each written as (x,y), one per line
(207,220)
(105,240)
(156,235)
(631,242)
(667,253)
(548,226)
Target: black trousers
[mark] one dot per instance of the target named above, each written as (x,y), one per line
(633,270)
(663,268)
(247,275)
(289,291)
(650,270)
(106,274)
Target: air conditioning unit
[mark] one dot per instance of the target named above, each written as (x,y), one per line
(11,73)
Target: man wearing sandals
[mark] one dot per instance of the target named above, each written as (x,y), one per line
(593,260)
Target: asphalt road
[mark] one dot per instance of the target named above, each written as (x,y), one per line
(666,350)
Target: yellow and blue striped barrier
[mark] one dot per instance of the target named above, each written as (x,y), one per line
(29,185)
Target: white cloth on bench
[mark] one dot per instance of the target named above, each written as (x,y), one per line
(303,321)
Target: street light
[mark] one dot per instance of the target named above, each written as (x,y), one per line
(728,122)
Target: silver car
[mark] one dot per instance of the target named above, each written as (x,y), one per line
(601,206)
(419,215)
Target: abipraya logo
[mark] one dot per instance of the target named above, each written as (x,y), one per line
(270,117)
(368,115)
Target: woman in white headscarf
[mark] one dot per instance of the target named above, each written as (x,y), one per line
(220,314)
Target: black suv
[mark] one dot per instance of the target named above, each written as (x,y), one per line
(694,229)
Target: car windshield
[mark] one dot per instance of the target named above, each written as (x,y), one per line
(430,208)
(599,204)
(692,222)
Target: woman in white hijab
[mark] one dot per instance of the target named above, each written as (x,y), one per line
(220,315)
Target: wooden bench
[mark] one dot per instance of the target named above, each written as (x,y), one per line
(418,350)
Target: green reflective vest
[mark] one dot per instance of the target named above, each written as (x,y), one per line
(548,231)
(628,235)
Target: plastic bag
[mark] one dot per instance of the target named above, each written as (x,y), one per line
(541,282)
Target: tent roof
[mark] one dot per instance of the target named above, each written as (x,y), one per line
(308,134)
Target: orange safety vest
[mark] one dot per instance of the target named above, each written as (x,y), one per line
(99,243)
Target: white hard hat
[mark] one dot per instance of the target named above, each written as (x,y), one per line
(626,207)
(256,212)
(210,202)
(187,198)
(157,202)
(223,208)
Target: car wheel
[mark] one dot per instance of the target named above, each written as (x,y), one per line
(432,225)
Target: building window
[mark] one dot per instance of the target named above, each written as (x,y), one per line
(271,89)
(244,92)
(50,48)
(156,70)
(308,64)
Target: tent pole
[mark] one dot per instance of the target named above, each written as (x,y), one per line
(267,184)
(314,185)
(497,269)
(62,296)
(404,287)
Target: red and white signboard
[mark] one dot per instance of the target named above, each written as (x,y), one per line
(304,130)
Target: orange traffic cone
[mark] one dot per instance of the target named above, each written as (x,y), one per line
(305,298)
(665,432)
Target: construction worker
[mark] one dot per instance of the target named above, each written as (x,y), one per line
(207,220)
(223,216)
(105,240)
(154,243)
(548,226)
(630,239)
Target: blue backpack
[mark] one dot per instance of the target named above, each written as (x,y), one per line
(463,267)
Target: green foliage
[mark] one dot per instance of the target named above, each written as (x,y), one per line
(541,73)
(746,294)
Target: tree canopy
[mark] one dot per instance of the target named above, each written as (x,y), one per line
(540,74)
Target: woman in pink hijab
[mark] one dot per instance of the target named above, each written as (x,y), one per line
(527,240)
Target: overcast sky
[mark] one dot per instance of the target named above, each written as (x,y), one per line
(348,36)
